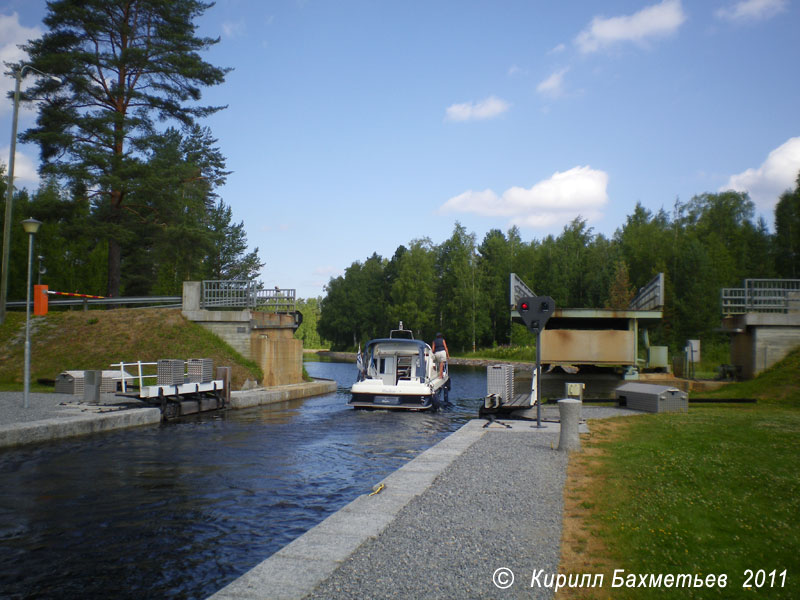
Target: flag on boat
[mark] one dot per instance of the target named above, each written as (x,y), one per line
(359,360)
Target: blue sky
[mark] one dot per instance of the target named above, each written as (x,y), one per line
(353,127)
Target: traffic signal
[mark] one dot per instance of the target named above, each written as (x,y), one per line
(535,311)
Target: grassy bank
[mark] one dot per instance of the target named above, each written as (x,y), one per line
(78,340)
(715,491)
(510,353)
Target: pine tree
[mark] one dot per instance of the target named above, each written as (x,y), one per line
(125,65)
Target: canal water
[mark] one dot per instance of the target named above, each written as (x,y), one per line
(179,511)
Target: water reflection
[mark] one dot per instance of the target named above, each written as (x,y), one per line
(180,510)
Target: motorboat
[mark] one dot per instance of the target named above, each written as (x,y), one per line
(399,372)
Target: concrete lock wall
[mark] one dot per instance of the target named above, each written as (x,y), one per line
(280,359)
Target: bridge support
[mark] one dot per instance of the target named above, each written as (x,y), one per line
(266,338)
(759,340)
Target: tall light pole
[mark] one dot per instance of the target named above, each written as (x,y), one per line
(31,227)
(10,190)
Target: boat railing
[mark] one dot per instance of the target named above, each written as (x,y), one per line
(394,333)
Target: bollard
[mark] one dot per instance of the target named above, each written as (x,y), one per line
(224,373)
(570,410)
(91,386)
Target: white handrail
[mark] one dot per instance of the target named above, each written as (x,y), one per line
(141,376)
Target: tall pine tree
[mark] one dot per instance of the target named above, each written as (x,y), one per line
(125,64)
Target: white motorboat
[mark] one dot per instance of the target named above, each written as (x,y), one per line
(399,372)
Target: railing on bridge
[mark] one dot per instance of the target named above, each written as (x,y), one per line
(246,294)
(651,296)
(762,296)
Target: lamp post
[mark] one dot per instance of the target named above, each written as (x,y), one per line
(31,227)
(10,189)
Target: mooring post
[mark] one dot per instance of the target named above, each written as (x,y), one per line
(224,373)
(570,411)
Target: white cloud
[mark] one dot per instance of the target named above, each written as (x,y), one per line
(777,174)
(24,167)
(471,111)
(553,86)
(658,20)
(12,35)
(557,49)
(752,10)
(559,199)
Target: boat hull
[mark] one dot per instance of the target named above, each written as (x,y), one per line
(371,394)
(384,401)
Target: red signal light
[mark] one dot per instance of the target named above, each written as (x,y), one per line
(524,306)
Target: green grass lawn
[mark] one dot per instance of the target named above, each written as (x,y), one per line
(714,491)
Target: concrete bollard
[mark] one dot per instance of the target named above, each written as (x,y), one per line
(569,410)
(91,386)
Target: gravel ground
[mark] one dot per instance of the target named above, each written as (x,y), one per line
(499,505)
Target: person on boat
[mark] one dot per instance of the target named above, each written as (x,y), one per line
(440,352)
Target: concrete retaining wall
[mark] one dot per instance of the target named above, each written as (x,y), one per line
(760,340)
(67,426)
(281,393)
(64,422)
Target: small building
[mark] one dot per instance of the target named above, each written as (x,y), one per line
(652,398)
(73,382)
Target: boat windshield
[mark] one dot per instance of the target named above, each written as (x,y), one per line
(401,334)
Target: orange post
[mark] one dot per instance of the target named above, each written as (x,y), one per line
(40,300)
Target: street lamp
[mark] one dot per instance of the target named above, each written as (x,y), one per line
(10,189)
(31,227)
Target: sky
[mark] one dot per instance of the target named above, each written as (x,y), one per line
(353,127)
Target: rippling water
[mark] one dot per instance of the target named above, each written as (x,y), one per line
(180,510)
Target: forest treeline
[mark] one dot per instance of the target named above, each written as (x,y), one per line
(461,287)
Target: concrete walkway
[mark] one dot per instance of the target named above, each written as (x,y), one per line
(51,416)
(482,499)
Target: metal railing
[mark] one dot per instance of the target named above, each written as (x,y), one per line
(246,294)
(142,301)
(216,294)
(762,296)
(651,296)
